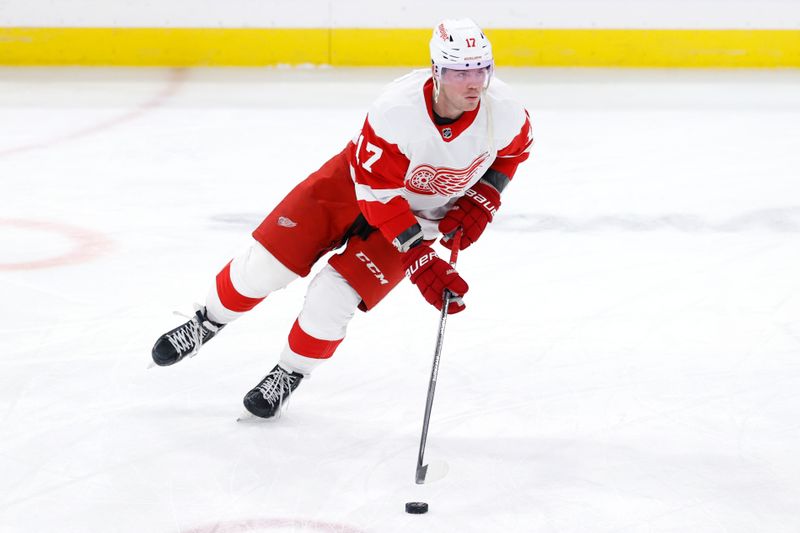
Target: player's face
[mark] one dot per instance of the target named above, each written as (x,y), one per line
(460,90)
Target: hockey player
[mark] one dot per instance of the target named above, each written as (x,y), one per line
(435,152)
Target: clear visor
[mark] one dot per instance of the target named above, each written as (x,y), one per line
(453,74)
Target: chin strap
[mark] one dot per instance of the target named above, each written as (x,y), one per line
(489,121)
(484,102)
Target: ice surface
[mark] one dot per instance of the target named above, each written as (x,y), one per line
(628,362)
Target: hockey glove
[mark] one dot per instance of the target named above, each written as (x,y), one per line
(432,275)
(472,212)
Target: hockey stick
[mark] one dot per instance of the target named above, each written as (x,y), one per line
(436,470)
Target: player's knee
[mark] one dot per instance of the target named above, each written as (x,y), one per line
(330,304)
(258,272)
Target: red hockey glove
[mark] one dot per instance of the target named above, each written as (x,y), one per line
(432,275)
(472,212)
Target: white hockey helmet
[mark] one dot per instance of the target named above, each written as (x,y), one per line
(459,45)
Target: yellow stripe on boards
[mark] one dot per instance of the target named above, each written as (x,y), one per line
(163,46)
(380,47)
(393,47)
(647,48)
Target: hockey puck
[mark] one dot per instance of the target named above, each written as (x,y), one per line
(416,507)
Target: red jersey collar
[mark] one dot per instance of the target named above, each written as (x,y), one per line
(453,130)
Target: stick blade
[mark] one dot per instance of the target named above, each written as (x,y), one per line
(432,472)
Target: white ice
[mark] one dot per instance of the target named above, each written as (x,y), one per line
(629,360)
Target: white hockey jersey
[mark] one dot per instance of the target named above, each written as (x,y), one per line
(407,169)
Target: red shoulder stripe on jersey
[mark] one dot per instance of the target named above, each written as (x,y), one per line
(378,165)
(521,142)
(517,151)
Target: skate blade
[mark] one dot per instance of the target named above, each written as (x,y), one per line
(249,418)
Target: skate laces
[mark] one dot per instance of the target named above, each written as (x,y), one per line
(273,389)
(189,337)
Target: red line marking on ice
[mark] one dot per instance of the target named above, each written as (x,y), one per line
(177,77)
(296,524)
(87,244)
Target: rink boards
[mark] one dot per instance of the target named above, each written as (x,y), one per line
(588,47)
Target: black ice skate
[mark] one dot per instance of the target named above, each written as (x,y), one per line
(266,399)
(185,340)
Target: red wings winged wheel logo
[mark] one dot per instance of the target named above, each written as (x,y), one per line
(425,179)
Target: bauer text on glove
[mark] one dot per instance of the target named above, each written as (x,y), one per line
(472,212)
(432,275)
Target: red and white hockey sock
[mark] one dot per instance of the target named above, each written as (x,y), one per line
(244,282)
(304,352)
(321,326)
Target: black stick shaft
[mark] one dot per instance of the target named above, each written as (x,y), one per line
(437,354)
